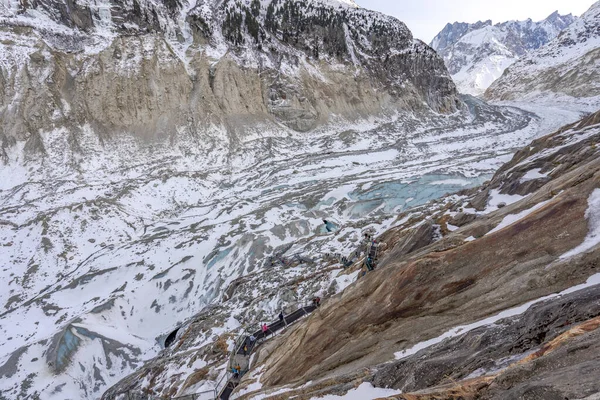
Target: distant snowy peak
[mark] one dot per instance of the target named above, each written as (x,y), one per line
(477,54)
(566,65)
(453,32)
(581,37)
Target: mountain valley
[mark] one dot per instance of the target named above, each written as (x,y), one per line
(176,174)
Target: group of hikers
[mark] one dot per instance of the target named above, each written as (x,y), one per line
(249,344)
(273,261)
(371,254)
(316,301)
(265,328)
(251,340)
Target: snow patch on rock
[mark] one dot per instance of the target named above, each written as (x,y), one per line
(593,237)
(365,391)
(593,280)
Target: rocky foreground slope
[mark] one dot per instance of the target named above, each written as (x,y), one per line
(568,65)
(477,54)
(483,255)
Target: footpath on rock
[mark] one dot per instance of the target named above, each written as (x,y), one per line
(357,264)
(246,344)
(239,360)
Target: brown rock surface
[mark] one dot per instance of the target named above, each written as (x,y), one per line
(462,219)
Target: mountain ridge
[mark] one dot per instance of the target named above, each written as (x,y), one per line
(564,67)
(477,54)
(288,73)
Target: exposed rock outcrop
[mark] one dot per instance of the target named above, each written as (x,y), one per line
(492,348)
(548,352)
(411,240)
(462,219)
(163,71)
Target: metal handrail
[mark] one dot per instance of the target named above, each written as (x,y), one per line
(225,378)
(191,396)
(218,391)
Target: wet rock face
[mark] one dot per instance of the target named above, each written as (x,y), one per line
(493,348)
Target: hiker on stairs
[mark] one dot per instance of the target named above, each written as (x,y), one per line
(370,261)
(241,354)
(316,301)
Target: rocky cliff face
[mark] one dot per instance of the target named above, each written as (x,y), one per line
(529,233)
(153,69)
(565,66)
(477,54)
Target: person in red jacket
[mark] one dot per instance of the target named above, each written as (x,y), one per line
(316,301)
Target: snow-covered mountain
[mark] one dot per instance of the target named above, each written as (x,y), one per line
(567,66)
(158,160)
(477,54)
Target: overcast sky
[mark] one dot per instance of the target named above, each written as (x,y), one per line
(426,18)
